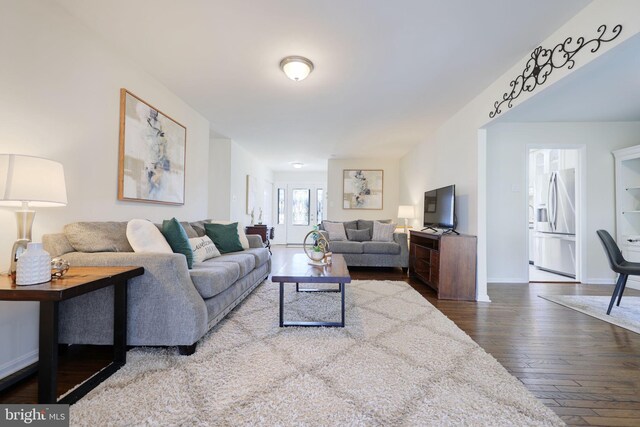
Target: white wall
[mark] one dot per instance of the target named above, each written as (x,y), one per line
(300,176)
(60,99)
(451,155)
(243,164)
(391,186)
(220,178)
(507,209)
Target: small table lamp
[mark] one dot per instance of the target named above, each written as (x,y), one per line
(29,181)
(407,212)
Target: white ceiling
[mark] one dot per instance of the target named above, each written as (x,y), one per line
(605,90)
(387,73)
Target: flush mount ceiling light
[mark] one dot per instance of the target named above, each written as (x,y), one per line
(297,165)
(296,67)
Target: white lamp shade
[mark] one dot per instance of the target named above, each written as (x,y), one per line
(406,211)
(31,179)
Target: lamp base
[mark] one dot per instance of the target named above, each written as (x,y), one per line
(19,247)
(24,220)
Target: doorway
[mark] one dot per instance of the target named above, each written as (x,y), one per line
(300,207)
(554,194)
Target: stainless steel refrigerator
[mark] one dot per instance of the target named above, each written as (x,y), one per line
(555,235)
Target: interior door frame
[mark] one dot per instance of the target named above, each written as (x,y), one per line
(581,203)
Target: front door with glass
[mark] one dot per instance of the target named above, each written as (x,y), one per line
(304,210)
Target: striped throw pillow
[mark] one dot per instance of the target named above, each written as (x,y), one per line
(383,232)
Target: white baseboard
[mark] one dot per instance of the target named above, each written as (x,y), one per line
(507,280)
(593,281)
(483,298)
(15,365)
(600,281)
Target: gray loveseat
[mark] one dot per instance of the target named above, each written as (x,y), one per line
(169,305)
(369,253)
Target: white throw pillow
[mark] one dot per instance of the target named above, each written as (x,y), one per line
(243,237)
(383,232)
(335,230)
(145,237)
(203,248)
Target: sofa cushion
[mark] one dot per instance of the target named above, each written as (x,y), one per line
(198,227)
(364,224)
(144,237)
(383,232)
(336,231)
(191,232)
(261,255)
(177,237)
(358,235)
(225,237)
(98,236)
(387,248)
(347,224)
(203,249)
(245,261)
(346,247)
(212,278)
(241,234)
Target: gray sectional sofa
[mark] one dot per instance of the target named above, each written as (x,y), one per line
(369,253)
(169,305)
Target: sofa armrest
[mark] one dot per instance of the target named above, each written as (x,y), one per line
(255,241)
(402,240)
(164,307)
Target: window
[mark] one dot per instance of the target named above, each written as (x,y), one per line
(320,204)
(281,206)
(300,206)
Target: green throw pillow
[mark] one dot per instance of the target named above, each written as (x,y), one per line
(224,236)
(177,238)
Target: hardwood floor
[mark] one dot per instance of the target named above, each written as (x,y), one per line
(586,370)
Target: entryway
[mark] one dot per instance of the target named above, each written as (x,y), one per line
(299,207)
(553,201)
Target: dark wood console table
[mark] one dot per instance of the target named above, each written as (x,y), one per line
(263,231)
(445,262)
(77,281)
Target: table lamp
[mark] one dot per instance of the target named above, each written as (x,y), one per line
(27,182)
(407,212)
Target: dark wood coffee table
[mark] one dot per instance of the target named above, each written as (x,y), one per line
(297,270)
(77,281)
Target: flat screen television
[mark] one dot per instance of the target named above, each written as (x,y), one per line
(440,208)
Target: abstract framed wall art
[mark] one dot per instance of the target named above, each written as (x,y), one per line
(152,154)
(252,196)
(362,189)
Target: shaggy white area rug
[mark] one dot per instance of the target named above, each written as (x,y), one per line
(398,361)
(627,315)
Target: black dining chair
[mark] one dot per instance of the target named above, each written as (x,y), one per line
(618,264)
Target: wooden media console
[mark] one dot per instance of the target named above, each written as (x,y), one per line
(445,262)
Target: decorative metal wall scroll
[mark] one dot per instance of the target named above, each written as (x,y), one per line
(544,61)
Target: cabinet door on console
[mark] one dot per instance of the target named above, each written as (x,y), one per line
(435,268)
(421,263)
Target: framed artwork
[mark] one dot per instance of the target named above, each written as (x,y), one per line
(152,154)
(362,189)
(252,188)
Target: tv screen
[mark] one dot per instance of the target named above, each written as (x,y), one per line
(439,207)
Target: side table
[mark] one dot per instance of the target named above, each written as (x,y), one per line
(77,281)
